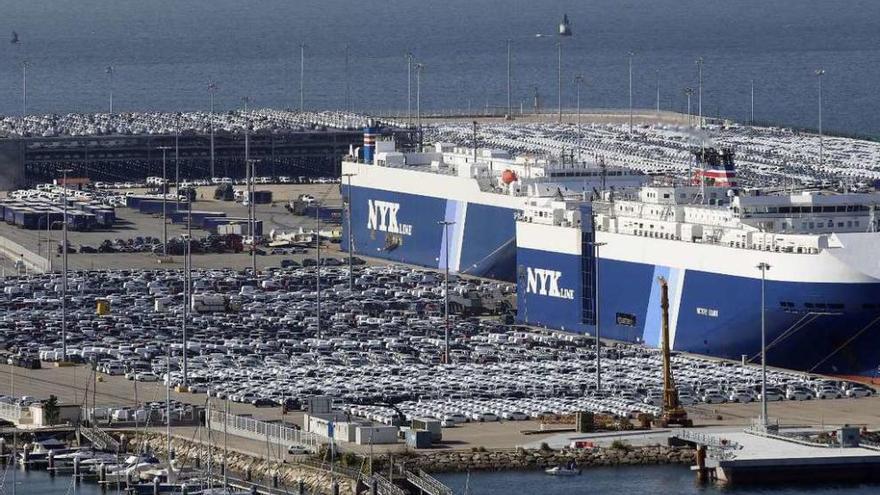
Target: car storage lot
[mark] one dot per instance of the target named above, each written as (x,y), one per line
(381,343)
(132,225)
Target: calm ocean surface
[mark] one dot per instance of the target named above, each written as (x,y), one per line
(645,480)
(166,51)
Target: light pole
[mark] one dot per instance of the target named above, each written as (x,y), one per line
(302,71)
(596,245)
(658,91)
(24,66)
(752,112)
(177,163)
(819,74)
(64,173)
(110,78)
(347,78)
(689,92)
(318,267)
(212,89)
(164,204)
(252,210)
(446,224)
(763,267)
(559,79)
(419,68)
(631,93)
(350,233)
(187,294)
(409,65)
(700,95)
(508,79)
(578,80)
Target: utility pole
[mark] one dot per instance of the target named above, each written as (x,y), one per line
(475,140)
(508,79)
(688,92)
(212,89)
(24,66)
(318,266)
(350,233)
(64,173)
(164,203)
(700,96)
(177,163)
(819,74)
(764,420)
(446,224)
(187,293)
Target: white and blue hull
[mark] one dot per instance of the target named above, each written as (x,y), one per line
(822,315)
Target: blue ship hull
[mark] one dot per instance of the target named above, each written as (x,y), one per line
(815,327)
(406,228)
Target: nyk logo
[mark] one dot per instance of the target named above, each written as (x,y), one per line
(546,283)
(383,217)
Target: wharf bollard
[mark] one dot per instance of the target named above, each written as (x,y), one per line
(334,488)
(25,455)
(50,459)
(76,468)
(102,472)
(374,487)
(301,487)
(156,485)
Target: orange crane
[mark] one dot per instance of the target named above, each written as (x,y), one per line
(673,413)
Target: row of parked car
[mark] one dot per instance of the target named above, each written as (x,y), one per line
(261,340)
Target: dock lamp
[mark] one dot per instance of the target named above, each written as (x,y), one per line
(764,420)
(446,224)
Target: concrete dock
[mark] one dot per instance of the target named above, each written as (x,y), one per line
(754,455)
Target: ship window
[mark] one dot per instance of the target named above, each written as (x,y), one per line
(626,319)
(849,223)
(784,209)
(841,208)
(666,196)
(827,209)
(840,224)
(856,223)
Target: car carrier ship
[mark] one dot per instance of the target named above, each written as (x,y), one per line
(593,267)
(410,206)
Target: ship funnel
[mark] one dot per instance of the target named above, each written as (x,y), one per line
(369,143)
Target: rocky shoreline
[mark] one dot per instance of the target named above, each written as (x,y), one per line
(521,459)
(314,478)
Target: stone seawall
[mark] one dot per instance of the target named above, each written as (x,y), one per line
(519,459)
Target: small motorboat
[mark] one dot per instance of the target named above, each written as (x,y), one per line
(563,471)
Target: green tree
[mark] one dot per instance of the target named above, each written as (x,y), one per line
(51,411)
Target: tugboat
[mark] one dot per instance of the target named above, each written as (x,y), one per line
(565,26)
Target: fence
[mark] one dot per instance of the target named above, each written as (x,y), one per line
(247,427)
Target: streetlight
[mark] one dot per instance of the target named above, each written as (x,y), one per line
(763,267)
(347,78)
(596,245)
(689,92)
(302,71)
(350,234)
(164,203)
(409,64)
(24,66)
(699,63)
(658,91)
(252,213)
(446,224)
(177,162)
(212,89)
(752,113)
(64,173)
(559,79)
(508,78)
(578,80)
(419,68)
(109,71)
(819,74)
(631,92)
(187,295)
